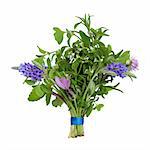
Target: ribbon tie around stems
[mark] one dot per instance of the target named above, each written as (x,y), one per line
(77,121)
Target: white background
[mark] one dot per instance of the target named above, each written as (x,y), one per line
(123,124)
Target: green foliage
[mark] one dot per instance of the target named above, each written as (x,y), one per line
(99,107)
(57,102)
(36,93)
(58,35)
(48,98)
(124,57)
(39,62)
(130,75)
(41,50)
(85,38)
(30,82)
(83,60)
(89,110)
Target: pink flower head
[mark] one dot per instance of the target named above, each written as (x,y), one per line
(134,64)
(62,83)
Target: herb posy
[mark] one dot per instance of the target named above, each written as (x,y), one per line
(78,73)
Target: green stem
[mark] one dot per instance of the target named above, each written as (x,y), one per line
(84,95)
(76,130)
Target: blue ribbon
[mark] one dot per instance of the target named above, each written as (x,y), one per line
(77,121)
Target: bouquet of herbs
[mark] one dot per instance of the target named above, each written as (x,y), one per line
(79,73)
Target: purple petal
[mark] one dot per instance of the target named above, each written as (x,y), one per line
(62,83)
(59,83)
(65,82)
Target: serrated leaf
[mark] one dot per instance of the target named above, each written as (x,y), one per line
(58,35)
(36,93)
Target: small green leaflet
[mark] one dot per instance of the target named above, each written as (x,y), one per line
(41,50)
(99,106)
(58,35)
(36,93)
(57,102)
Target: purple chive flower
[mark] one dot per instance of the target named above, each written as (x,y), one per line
(118,68)
(31,71)
(134,64)
(63,83)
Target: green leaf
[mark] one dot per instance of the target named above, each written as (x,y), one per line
(103,90)
(124,57)
(118,54)
(52,73)
(69,35)
(48,98)
(92,87)
(58,35)
(99,106)
(101,32)
(85,38)
(131,75)
(57,102)
(75,26)
(49,63)
(39,62)
(75,64)
(108,72)
(89,110)
(45,89)
(41,50)
(30,82)
(36,93)
(114,88)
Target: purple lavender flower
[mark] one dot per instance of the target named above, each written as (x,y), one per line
(118,68)
(134,64)
(62,83)
(31,71)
